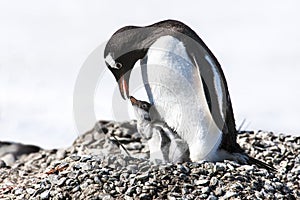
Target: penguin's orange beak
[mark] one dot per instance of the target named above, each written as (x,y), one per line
(123,87)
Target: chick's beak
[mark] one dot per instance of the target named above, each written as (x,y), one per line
(133,100)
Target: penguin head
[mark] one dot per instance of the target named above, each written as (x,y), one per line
(121,52)
(141,109)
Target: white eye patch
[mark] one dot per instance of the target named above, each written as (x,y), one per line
(109,60)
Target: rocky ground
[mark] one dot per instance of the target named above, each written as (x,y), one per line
(110,162)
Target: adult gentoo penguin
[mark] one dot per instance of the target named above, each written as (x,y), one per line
(185,83)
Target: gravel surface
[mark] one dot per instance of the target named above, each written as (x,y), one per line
(96,166)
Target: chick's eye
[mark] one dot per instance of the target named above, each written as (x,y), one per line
(118,65)
(144,106)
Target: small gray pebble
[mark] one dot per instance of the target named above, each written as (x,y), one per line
(219,191)
(130,191)
(212,197)
(142,177)
(213,181)
(145,196)
(202,182)
(61,181)
(45,194)
(75,157)
(219,167)
(229,194)
(205,190)
(30,191)
(85,158)
(18,191)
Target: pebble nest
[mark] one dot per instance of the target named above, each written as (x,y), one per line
(98,166)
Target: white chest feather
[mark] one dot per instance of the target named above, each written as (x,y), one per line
(175,88)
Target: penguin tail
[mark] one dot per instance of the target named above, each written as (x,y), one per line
(261,164)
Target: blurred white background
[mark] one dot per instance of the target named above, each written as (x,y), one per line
(43,45)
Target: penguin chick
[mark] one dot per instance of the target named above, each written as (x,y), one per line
(164,143)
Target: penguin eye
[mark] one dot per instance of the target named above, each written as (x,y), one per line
(118,65)
(144,106)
